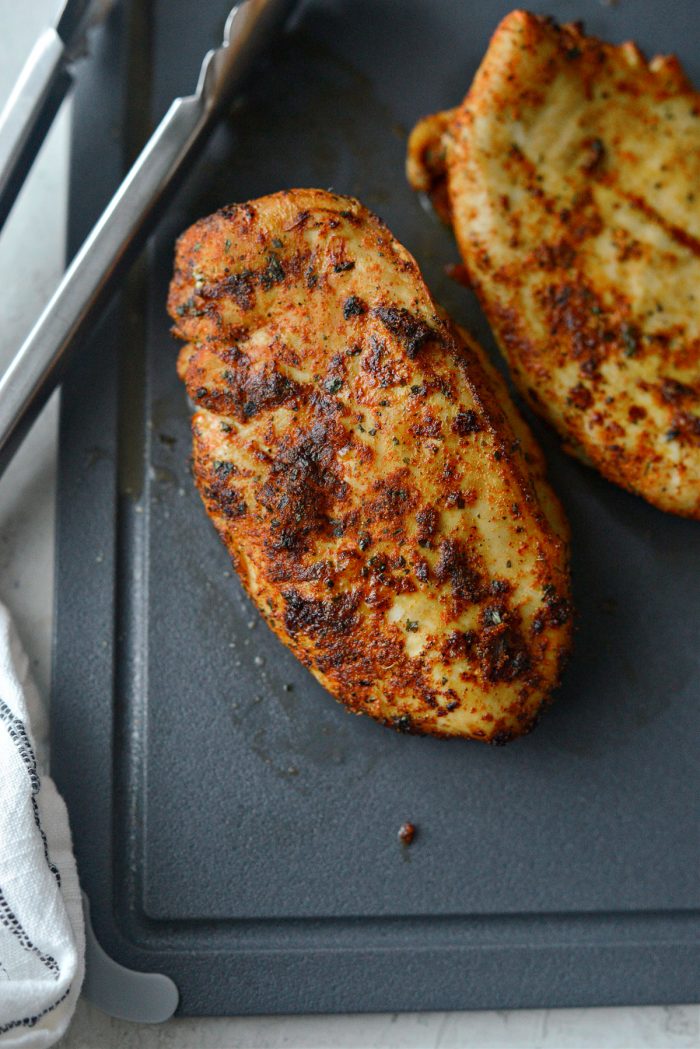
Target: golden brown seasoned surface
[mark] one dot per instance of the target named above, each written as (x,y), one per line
(392,527)
(572,174)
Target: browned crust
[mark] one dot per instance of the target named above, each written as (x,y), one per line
(357,462)
(584,261)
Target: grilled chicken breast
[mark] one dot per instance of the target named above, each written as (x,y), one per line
(571,174)
(383,503)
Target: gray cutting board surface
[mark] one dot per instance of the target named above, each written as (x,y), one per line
(236,829)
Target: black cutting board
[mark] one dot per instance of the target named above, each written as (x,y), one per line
(235,828)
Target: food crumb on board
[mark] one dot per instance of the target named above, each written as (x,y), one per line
(407,832)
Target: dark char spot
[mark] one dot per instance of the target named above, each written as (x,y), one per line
(353,307)
(410,330)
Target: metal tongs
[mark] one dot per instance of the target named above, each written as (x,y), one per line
(40,88)
(126,222)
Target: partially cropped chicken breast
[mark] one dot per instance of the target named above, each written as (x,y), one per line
(383,503)
(571,174)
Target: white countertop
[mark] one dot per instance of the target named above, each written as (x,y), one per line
(31,255)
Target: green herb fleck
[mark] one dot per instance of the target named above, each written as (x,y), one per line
(412,625)
(630,337)
(272,274)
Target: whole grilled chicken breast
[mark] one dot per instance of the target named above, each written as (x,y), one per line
(383,503)
(571,173)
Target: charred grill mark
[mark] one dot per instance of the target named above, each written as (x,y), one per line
(458,644)
(353,307)
(240,286)
(674,392)
(246,391)
(557,256)
(575,314)
(342,657)
(454,566)
(499,739)
(338,258)
(685,427)
(427,426)
(584,220)
(455,499)
(302,486)
(351,217)
(221,494)
(466,422)
(319,618)
(557,611)
(580,396)
(299,222)
(241,215)
(427,521)
(285,570)
(394,500)
(311,277)
(502,650)
(677,233)
(516,155)
(412,332)
(382,366)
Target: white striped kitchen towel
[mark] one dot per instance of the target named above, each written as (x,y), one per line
(42,942)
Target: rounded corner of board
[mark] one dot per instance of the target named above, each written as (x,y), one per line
(125,994)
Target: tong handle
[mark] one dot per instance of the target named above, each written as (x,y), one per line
(28,114)
(41,361)
(122,229)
